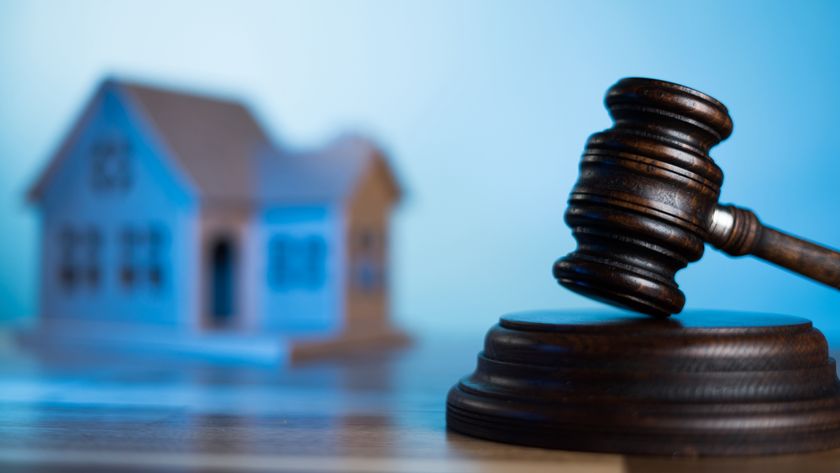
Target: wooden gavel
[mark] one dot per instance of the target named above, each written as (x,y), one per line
(646,202)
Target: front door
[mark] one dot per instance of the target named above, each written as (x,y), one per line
(222,283)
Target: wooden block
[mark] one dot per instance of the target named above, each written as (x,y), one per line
(704,383)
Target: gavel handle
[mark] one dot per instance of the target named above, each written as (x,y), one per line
(738,232)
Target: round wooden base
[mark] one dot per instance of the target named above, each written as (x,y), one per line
(701,383)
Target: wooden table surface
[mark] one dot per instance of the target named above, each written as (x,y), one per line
(371,412)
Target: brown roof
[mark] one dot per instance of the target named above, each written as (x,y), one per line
(214,141)
(226,155)
(327,175)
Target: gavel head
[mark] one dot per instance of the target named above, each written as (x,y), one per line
(645,196)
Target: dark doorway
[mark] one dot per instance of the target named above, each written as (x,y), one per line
(223,282)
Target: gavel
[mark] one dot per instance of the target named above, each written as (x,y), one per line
(646,202)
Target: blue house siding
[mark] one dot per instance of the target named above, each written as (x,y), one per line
(153,223)
(300,278)
(113,226)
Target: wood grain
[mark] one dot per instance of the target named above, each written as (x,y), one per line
(707,383)
(373,412)
(646,202)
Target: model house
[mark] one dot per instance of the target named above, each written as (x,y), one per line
(173,216)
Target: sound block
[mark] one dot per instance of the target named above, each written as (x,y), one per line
(701,383)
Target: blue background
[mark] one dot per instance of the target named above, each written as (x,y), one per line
(485,107)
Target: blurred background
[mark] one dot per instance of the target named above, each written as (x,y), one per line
(484,107)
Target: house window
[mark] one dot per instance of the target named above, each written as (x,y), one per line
(297,263)
(110,164)
(129,241)
(367,240)
(316,253)
(368,272)
(156,244)
(93,251)
(67,276)
(279,273)
(79,257)
(142,252)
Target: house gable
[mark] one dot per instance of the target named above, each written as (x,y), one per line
(108,141)
(115,217)
(367,243)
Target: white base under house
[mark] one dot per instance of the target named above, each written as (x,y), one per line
(74,335)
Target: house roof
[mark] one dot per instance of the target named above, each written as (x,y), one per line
(326,175)
(227,156)
(214,141)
